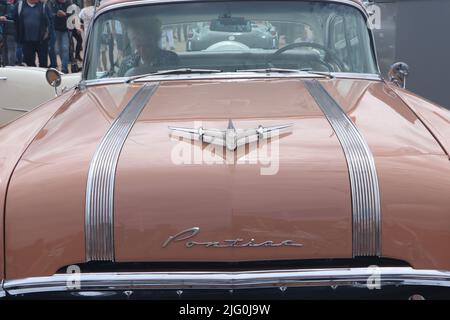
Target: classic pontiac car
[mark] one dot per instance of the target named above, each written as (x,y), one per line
(290,172)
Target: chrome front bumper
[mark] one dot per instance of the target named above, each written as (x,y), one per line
(2,292)
(363,278)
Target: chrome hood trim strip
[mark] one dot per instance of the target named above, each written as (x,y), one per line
(99,220)
(364,186)
(351,277)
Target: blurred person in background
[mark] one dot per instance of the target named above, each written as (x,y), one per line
(59,12)
(52,40)
(182,30)
(111,38)
(4,12)
(167,38)
(119,41)
(19,51)
(86,15)
(106,42)
(74,11)
(12,52)
(32,20)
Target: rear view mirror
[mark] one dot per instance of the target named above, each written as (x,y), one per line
(227,23)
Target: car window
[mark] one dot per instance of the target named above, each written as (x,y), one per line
(345,39)
(338,38)
(230,37)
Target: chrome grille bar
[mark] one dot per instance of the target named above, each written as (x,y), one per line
(364,186)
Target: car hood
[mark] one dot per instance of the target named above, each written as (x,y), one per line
(293,189)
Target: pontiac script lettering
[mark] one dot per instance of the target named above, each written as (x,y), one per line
(187,234)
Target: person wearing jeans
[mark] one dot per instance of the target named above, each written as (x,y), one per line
(19,54)
(62,48)
(52,43)
(52,49)
(13,46)
(59,10)
(6,38)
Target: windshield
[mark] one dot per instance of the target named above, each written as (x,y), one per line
(243,36)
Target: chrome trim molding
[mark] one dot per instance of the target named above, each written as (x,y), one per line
(15,109)
(351,277)
(99,220)
(103,81)
(364,186)
(361,76)
(233,75)
(107,8)
(2,291)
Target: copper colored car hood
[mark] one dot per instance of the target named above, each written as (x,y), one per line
(307,201)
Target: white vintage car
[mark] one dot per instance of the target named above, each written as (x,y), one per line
(24,88)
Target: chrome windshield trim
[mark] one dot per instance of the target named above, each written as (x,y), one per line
(365,191)
(2,291)
(352,277)
(99,211)
(359,76)
(107,8)
(233,75)
(102,81)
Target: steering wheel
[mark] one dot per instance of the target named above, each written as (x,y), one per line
(329,55)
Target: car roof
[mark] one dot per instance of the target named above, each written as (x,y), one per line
(107,3)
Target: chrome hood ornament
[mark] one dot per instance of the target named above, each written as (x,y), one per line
(231,138)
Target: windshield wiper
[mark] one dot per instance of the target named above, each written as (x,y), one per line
(320,73)
(172,71)
(200,71)
(186,71)
(281,70)
(269,70)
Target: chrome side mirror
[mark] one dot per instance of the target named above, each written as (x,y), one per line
(53,78)
(398,73)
